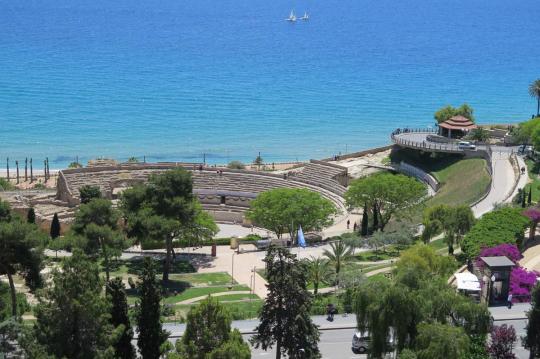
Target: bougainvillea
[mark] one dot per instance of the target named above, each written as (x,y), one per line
(511,251)
(534,215)
(521,280)
(521,284)
(502,342)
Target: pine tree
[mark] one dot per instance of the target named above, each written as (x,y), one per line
(364,227)
(208,334)
(148,314)
(531,341)
(55,227)
(72,314)
(119,316)
(284,318)
(31,216)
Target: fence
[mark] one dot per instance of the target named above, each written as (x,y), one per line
(419,174)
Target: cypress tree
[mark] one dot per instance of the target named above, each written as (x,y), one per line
(31,216)
(375,218)
(531,341)
(148,314)
(119,316)
(284,318)
(529,198)
(523,199)
(55,227)
(364,227)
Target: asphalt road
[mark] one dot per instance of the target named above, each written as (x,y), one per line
(334,344)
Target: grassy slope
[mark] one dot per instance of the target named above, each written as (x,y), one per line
(463,181)
(534,171)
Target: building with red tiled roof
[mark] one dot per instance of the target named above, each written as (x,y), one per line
(456,125)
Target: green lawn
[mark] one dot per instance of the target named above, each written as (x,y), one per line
(463,181)
(197,292)
(534,170)
(201,279)
(380,277)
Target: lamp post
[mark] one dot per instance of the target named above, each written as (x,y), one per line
(232,270)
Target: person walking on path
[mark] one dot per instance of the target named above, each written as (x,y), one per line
(348,223)
(354,227)
(510,301)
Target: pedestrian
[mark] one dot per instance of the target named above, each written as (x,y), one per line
(354,227)
(510,301)
(348,223)
(330,310)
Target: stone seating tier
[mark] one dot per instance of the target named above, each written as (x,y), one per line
(236,181)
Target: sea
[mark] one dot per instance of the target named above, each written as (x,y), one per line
(222,80)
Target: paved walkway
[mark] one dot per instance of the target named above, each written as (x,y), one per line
(503,180)
(202,297)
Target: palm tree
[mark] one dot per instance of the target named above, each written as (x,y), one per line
(339,255)
(534,91)
(318,272)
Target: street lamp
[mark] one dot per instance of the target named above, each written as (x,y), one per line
(232,270)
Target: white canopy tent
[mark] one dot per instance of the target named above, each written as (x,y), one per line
(467,281)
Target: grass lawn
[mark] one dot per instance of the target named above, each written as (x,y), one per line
(201,279)
(534,170)
(380,277)
(463,181)
(390,252)
(200,291)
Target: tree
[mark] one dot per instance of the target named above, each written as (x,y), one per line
(31,216)
(73,318)
(120,319)
(318,272)
(148,314)
(531,341)
(364,226)
(55,227)
(88,193)
(455,222)
(283,210)
(96,223)
(284,317)
(534,215)
(534,91)
(338,255)
(74,165)
(5,211)
(164,209)
(529,197)
(133,159)
(208,334)
(441,341)
(502,342)
(21,252)
(234,348)
(445,113)
(387,193)
(98,211)
(478,134)
(258,161)
(503,225)
(236,165)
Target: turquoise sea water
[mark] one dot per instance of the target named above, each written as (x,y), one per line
(173,79)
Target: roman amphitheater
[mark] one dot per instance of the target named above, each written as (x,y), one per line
(224,193)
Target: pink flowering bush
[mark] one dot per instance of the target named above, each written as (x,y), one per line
(511,251)
(521,280)
(521,283)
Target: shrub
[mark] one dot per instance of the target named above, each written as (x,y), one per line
(504,225)
(5,185)
(508,250)
(236,165)
(521,283)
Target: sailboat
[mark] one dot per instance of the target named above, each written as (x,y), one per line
(292,17)
(305,17)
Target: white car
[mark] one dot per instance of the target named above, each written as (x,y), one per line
(360,343)
(464,145)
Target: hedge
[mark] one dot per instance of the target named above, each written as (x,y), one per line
(504,225)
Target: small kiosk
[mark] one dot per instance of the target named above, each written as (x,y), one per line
(496,279)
